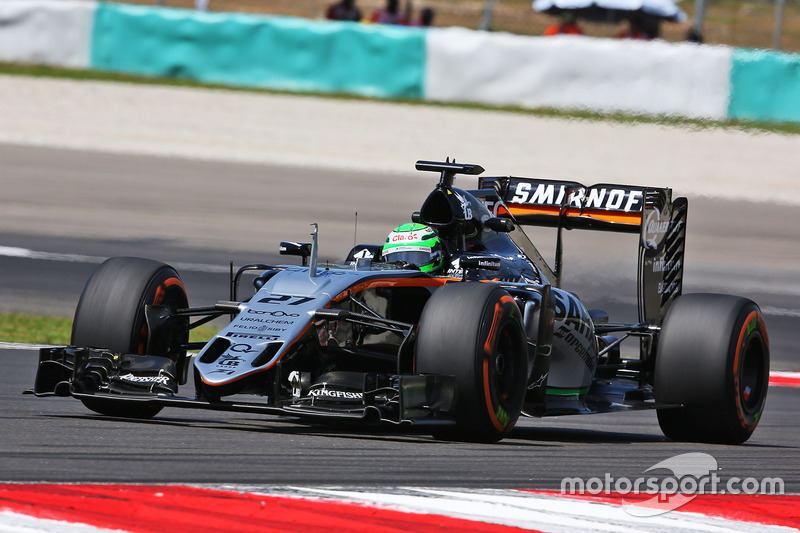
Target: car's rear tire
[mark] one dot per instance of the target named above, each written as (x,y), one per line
(474,332)
(111,315)
(713,359)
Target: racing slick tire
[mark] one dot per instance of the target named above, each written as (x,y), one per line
(111,315)
(474,332)
(713,359)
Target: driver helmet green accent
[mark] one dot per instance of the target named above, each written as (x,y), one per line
(414,243)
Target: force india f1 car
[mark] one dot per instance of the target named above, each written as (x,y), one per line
(463,352)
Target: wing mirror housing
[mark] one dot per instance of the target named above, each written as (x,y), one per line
(300,249)
(502,225)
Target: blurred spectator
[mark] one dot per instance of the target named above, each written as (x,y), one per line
(425,18)
(344,10)
(200,5)
(566,26)
(390,14)
(635,30)
(652,26)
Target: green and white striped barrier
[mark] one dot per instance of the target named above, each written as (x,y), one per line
(446,65)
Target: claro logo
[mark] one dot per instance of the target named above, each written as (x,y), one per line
(401,237)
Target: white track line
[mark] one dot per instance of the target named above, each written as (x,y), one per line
(24,253)
(20,523)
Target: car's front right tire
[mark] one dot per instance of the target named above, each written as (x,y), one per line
(474,332)
(111,315)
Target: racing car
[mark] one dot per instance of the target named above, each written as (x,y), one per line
(461,350)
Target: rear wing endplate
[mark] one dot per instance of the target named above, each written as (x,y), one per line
(650,212)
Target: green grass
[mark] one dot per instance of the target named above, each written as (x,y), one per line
(35,329)
(788,128)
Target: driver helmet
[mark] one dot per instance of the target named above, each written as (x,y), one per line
(414,243)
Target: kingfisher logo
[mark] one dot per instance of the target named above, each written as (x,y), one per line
(334,394)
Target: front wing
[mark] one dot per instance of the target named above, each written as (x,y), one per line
(88,373)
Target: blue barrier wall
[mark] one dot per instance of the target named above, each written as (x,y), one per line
(765,86)
(284,53)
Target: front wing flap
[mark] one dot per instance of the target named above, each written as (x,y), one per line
(129,378)
(64,371)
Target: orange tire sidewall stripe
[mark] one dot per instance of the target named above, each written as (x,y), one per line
(487,394)
(753,316)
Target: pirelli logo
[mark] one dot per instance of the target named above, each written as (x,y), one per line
(531,192)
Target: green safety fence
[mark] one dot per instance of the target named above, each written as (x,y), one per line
(275,52)
(765,85)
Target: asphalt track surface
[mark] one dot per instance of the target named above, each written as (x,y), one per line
(57,439)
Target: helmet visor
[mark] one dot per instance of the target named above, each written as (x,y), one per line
(419,258)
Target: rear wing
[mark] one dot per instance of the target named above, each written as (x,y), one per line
(542,202)
(651,212)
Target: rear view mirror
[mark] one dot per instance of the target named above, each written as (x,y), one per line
(503,225)
(301,249)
